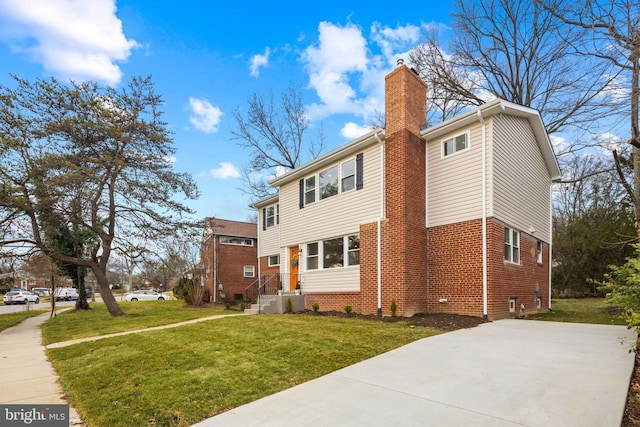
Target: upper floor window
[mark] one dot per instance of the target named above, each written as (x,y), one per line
(455,144)
(228,240)
(348,175)
(330,182)
(511,245)
(272,216)
(310,190)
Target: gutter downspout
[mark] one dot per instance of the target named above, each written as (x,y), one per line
(379,231)
(550,242)
(215,268)
(485,302)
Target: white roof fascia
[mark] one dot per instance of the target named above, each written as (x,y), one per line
(269,200)
(351,147)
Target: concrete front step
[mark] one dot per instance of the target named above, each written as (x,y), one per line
(278,304)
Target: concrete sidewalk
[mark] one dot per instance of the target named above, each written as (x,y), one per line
(27,375)
(503,373)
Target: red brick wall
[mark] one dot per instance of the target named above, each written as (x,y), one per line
(516,281)
(455,268)
(231,261)
(267,271)
(455,271)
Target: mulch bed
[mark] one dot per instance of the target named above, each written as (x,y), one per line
(632,409)
(448,322)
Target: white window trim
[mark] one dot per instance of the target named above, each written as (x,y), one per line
(269,260)
(340,177)
(320,256)
(539,250)
(237,244)
(275,216)
(512,305)
(442,143)
(248,268)
(511,245)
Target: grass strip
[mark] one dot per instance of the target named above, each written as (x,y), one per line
(180,376)
(11,319)
(580,310)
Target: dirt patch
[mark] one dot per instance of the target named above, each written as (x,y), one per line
(448,322)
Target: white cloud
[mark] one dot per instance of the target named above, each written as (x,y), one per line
(81,40)
(347,72)
(225,171)
(352,130)
(205,117)
(608,141)
(259,61)
(170,159)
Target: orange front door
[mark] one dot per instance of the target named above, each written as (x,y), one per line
(293,267)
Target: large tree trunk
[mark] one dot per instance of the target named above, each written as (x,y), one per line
(81,303)
(105,292)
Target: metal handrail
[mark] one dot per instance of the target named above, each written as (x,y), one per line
(260,287)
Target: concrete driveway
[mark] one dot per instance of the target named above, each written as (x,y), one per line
(503,373)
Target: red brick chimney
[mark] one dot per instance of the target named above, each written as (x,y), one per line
(404,238)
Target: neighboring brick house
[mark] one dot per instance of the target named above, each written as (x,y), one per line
(229,258)
(451,218)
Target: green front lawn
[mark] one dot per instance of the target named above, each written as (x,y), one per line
(71,325)
(180,376)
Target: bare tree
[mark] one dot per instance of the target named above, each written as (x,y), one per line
(592,223)
(612,29)
(275,136)
(517,51)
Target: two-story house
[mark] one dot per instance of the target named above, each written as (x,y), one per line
(451,218)
(228,258)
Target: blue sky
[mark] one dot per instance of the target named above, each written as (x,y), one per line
(207,58)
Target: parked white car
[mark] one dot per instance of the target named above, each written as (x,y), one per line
(146,296)
(67,294)
(20,297)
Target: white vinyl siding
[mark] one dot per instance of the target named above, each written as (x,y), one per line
(454,183)
(338,215)
(268,240)
(522,182)
(332,280)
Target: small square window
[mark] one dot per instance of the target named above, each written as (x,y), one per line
(455,144)
(274,260)
(249,271)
